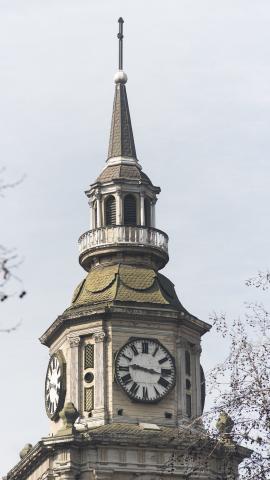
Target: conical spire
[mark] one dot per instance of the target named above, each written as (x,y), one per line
(121,136)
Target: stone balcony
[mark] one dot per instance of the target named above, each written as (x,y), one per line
(134,241)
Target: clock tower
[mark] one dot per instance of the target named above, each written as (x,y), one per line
(124,383)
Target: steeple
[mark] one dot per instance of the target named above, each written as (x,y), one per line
(121,137)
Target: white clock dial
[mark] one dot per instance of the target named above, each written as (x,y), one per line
(145,370)
(55,386)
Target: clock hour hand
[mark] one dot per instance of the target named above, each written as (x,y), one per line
(144,369)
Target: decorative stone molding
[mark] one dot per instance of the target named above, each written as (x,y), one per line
(97,195)
(182,343)
(26,449)
(74,340)
(196,349)
(99,337)
(68,415)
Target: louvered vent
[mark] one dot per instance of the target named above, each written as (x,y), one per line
(88,399)
(130,214)
(89,356)
(147,212)
(110,211)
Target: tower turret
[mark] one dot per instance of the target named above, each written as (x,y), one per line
(124,384)
(122,199)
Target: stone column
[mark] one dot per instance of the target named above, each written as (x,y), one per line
(181,346)
(73,378)
(99,213)
(93,217)
(119,208)
(99,397)
(153,213)
(196,380)
(142,216)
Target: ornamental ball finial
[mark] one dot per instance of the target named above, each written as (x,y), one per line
(26,449)
(120,77)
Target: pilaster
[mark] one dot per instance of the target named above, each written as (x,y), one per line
(196,379)
(73,376)
(99,213)
(142,210)
(99,401)
(181,346)
(119,207)
(153,212)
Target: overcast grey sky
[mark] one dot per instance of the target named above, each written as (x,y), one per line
(199,95)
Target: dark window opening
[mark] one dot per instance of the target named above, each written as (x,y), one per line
(130,210)
(188,405)
(188,384)
(110,211)
(147,212)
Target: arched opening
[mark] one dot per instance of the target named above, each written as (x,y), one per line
(147,212)
(130,210)
(110,211)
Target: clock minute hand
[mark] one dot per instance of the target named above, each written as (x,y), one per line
(144,369)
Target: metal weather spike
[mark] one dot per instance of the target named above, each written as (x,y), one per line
(120,36)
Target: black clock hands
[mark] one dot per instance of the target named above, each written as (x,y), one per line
(144,369)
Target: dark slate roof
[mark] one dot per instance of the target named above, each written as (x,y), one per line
(121,137)
(126,172)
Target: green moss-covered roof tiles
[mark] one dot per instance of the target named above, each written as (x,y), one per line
(125,283)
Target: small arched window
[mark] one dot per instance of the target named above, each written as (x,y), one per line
(130,210)
(147,212)
(110,211)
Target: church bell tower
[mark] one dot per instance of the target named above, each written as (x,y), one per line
(124,375)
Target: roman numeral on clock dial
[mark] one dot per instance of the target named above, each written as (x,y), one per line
(134,349)
(145,393)
(166,372)
(126,379)
(163,382)
(163,360)
(144,347)
(122,368)
(134,388)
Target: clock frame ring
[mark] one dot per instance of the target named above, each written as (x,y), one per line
(62,392)
(117,377)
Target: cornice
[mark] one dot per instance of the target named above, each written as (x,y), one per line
(89,313)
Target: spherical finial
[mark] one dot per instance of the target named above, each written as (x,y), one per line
(26,449)
(120,77)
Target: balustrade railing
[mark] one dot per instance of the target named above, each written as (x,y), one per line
(122,234)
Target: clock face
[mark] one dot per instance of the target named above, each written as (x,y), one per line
(145,370)
(55,386)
